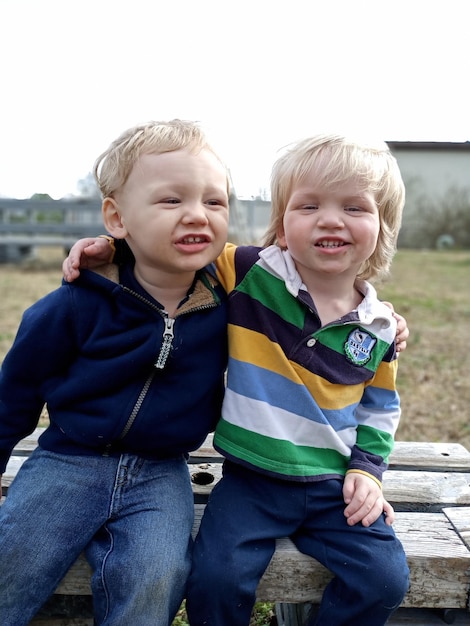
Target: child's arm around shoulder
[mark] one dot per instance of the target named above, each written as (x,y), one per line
(88,253)
(92,252)
(403,331)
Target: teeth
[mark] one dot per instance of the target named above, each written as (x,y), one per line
(330,244)
(193,239)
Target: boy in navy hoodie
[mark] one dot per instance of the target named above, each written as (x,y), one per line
(130,364)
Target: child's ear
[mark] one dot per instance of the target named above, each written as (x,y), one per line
(281,237)
(112,219)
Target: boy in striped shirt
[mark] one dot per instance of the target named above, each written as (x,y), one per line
(311,405)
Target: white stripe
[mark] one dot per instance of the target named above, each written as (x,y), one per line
(386,421)
(259,417)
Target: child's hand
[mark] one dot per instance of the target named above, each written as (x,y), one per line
(364,500)
(403,332)
(402,329)
(89,252)
(389,513)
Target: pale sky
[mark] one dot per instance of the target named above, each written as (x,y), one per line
(256,74)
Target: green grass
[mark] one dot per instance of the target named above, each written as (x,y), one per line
(431,289)
(262,615)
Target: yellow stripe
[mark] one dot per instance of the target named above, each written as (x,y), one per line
(330,395)
(385,376)
(261,350)
(264,354)
(225,265)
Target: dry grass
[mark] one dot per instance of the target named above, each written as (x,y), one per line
(21,285)
(431,289)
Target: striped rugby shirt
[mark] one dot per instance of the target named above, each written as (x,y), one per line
(304,402)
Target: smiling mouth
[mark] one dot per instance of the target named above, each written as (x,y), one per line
(330,244)
(194,239)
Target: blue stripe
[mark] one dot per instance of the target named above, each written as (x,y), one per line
(386,399)
(266,386)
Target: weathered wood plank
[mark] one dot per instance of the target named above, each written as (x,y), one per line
(438,559)
(14,464)
(27,445)
(406,490)
(402,617)
(288,614)
(430,456)
(426,491)
(205,453)
(429,617)
(294,577)
(411,455)
(460,520)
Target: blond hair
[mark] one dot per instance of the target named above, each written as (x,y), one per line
(336,160)
(112,168)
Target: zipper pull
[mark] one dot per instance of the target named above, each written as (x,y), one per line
(168,335)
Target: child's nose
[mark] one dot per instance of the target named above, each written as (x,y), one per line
(331,217)
(196,213)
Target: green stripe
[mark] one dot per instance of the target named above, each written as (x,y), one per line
(271,292)
(258,450)
(374,441)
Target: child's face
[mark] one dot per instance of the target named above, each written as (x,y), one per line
(329,230)
(173,210)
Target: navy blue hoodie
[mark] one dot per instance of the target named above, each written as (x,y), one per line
(95,352)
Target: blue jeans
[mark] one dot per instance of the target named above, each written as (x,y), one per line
(132,517)
(245,514)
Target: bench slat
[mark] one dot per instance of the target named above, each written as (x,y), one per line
(430,490)
(27,445)
(412,455)
(430,456)
(460,520)
(426,491)
(295,577)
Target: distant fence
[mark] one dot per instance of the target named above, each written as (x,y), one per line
(26,224)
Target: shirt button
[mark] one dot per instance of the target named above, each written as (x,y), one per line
(311,342)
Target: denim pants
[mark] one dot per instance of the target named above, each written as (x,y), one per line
(248,511)
(132,517)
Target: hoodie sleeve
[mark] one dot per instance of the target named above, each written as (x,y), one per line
(44,345)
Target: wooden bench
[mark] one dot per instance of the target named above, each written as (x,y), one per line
(429,486)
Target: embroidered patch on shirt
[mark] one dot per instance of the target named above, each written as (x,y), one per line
(359,346)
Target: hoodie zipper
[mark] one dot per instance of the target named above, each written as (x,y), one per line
(168,336)
(165,350)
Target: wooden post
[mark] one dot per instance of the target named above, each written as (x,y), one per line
(293,614)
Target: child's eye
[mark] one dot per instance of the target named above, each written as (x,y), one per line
(308,207)
(170,201)
(215,202)
(354,209)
